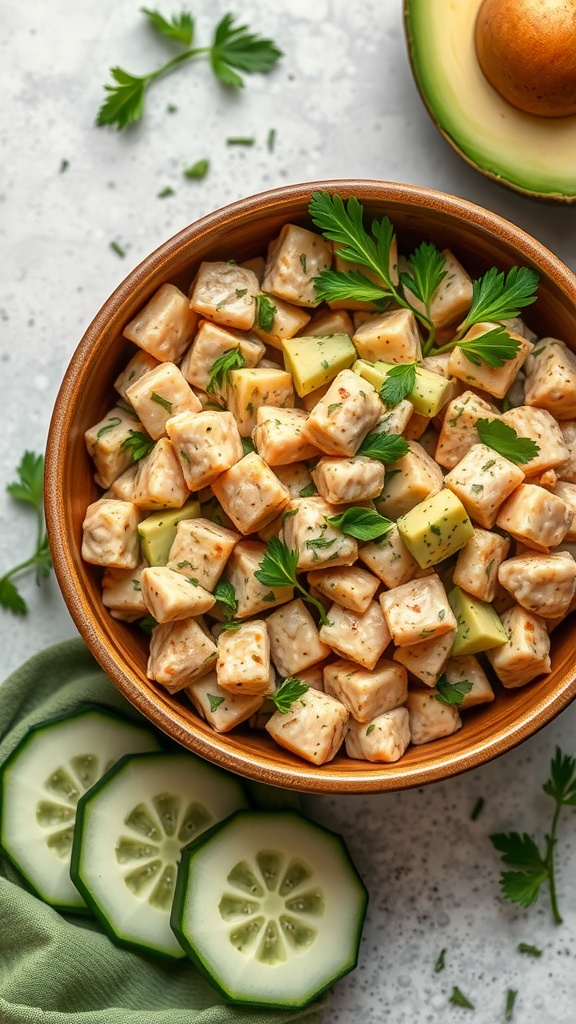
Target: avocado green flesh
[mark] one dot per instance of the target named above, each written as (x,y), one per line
(533,155)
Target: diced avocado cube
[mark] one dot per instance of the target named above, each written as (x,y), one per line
(430,393)
(315,360)
(369,372)
(158,531)
(479,628)
(435,528)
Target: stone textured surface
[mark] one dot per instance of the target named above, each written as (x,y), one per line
(343,104)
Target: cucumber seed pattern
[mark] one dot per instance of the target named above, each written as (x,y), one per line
(272,907)
(56,813)
(157,831)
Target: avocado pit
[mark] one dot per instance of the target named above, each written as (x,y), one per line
(527,51)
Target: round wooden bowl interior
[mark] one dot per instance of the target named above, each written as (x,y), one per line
(480,240)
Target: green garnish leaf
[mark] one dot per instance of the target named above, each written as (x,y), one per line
(138,443)
(496,296)
(197,170)
(271,140)
(232,624)
(336,285)
(521,852)
(232,359)
(147,624)
(265,313)
(165,192)
(495,348)
(248,445)
(290,691)
(459,999)
(180,29)
(510,1000)
(362,523)
(503,439)
(440,961)
(561,785)
(240,140)
(477,809)
(308,491)
(117,248)
(214,701)
(451,693)
(525,947)
(28,488)
(428,266)
(386,447)
(235,48)
(161,401)
(278,569)
(399,383)
(125,102)
(225,593)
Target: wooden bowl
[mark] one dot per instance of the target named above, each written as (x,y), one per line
(479,239)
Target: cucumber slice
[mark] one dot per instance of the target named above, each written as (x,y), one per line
(130,830)
(270,908)
(40,785)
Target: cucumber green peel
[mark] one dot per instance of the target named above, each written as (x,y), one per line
(40,785)
(270,908)
(131,827)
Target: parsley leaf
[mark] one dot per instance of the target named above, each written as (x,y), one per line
(225,593)
(386,447)
(214,701)
(451,693)
(278,569)
(510,1000)
(138,443)
(289,692)
(521,852)
(496,296)
(160,400)
(180,29)
(197,170)
(265,313)
(232,359)
(503,439)
(440,961)
(459,999)
(335,285)
(28,488)
(428,266)
(399,383)
(308,490)
(525,947)
(233,47)
(494,348)
(362,523)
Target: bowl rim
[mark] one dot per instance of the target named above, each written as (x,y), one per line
(262,767)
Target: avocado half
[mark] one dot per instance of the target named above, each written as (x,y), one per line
(533,155)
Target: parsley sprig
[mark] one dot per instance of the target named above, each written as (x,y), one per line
(386,447)
(495,296)
(225,593)
(503,439)
(138,444)
(343,223)
(520,851)
(232,359)
(361,523)
(28,489)
(399,383)
(288,693)
(278,569)
(451,693)
(234,48)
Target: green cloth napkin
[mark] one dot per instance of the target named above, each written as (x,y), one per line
(63,970)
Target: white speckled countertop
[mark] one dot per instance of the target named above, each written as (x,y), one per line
(343,104)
